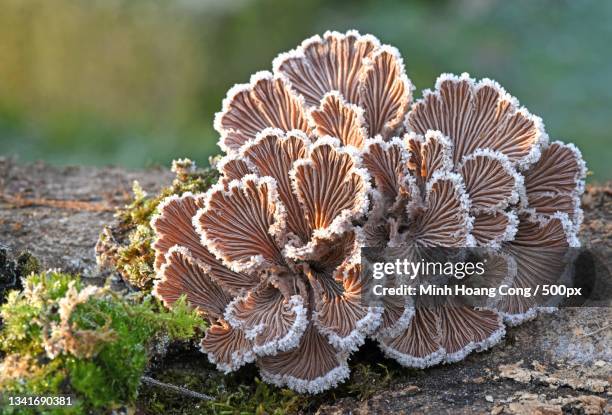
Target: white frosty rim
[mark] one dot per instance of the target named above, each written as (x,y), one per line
(568,227)
(400,325)
(237,359)
(509,232)
(541,137)
(329,380)
(485,344)
(575,194)
(160,276)
(368,63)
(582,170)
(412,361)
(236,156)
(541,140)
(363,327)
(378,140)
(281,135)
(513,320)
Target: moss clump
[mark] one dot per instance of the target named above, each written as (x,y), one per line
(236,393)
(62,337)
(242,392)
(126,245)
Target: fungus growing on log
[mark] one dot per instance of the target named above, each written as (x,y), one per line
(272,259)
(327,154)
(480,173)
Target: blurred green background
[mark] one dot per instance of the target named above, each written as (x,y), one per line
(137,82)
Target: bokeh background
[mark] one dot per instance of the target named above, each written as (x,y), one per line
(137,82)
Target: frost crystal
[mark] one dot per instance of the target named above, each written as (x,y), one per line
(327,154)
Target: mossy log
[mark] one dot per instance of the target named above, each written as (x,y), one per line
(558,362)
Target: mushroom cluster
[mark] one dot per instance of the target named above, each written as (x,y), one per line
(327,154)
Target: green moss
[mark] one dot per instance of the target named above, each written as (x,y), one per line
(61,337)
(237,393)
(126,245)
(243,392)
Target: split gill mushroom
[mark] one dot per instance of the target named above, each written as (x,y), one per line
(328,153)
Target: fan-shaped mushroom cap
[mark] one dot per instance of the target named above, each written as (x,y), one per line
(333,62)
(443,334)
(173,227)
(337,118)
(266,316)
(556,182)
(347,86)
(267,101)
(541,253)
(478,115)
(227,347)
(313,367)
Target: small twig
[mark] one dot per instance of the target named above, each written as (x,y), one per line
(597,331)
(175,388)
(20,201)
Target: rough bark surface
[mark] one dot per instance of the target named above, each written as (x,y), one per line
(559,363)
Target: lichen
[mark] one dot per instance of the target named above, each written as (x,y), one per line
(63,337)
(125,245)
